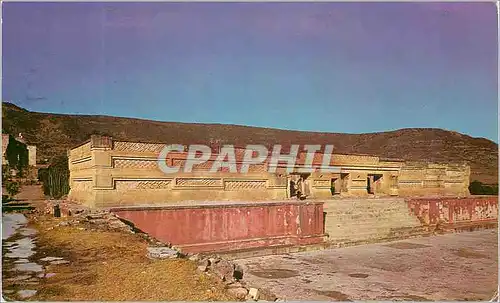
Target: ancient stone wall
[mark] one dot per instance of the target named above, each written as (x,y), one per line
(82,174)
(107,173)
(31,150)
(31,155)
(424,179)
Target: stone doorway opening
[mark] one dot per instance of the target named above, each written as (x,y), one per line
(373,183)
(335,186)
(299,185)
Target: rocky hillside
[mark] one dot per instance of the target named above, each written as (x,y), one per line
(55,133)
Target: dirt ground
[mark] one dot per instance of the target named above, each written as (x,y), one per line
(449,267)
(107,265)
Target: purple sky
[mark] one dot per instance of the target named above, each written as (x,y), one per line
(339,67)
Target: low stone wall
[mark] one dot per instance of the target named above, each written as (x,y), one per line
(227,227)
(450,212)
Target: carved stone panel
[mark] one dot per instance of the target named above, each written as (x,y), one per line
(136,164)
(138,147)
(142,184)
(322,183)
(198,182)
(244,184)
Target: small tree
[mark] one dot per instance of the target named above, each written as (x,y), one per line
(6,174)
(17,155)
(12,188)
(478,188)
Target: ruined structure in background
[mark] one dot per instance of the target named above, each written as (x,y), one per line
(19,138)
(106,173)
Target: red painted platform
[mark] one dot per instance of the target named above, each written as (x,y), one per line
(230,226)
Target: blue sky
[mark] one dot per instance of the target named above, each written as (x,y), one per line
(334,67)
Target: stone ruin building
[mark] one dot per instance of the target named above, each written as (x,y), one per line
(19,138)
(104,173)
(259,211)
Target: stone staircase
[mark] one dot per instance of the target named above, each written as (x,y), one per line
(357,221)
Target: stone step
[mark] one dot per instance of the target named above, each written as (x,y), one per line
(366,227)
(385,238)
(371,224)
(363,228)
(342,217)
(336,237)
(357,217)
(359,210)
(366,206)
(270,250)
(360,228)
(345,217)
(353,221)
(352,210)
(364,200)
(356,232)
(373,220)
(366,203)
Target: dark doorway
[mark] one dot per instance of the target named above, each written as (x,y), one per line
(335,186)
(299,186)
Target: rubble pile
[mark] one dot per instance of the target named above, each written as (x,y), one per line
(232,275)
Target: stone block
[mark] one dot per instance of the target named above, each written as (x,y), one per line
(240,293)
(162,253)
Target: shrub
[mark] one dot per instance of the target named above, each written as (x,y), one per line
(478,188)
(12,187)
(55,178)
(17,155)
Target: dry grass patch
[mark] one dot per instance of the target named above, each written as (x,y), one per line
(106,265)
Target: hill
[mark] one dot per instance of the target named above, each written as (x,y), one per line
(55,133)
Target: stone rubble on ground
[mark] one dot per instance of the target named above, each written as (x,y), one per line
(203,265)
(253,293)
(49,259)
(224,270)
(26,293)
(232,275)
(240,293)
(21,261)
(266,295)
(162,253)
(28,267)
(58,262)
(19,278)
